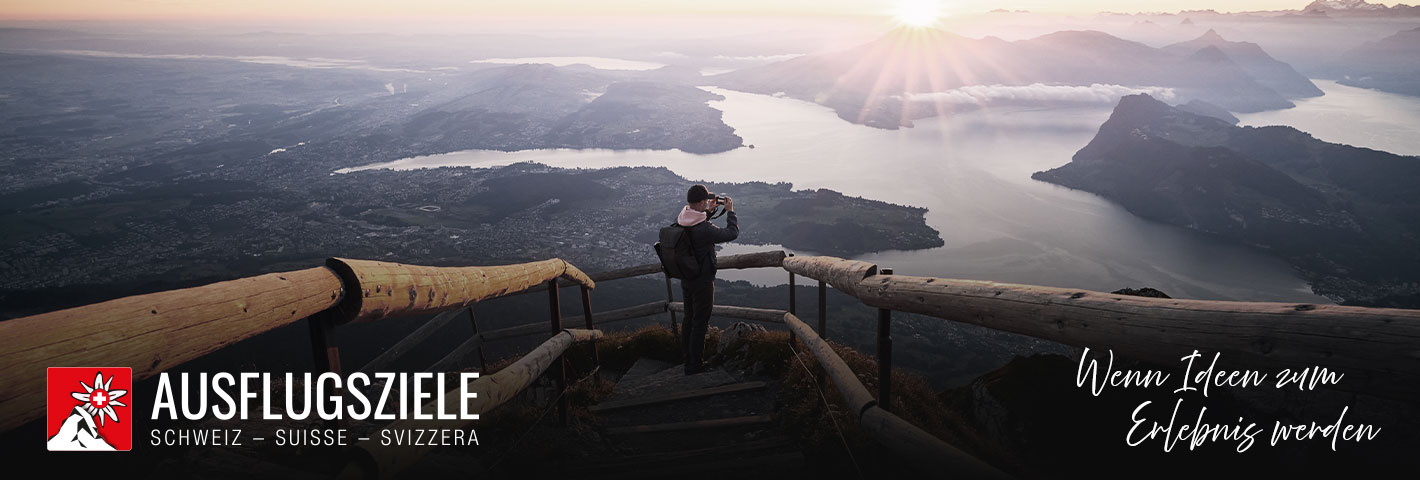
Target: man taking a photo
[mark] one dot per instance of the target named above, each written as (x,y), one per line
(699,292)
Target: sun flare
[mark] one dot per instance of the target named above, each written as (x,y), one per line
(917,13)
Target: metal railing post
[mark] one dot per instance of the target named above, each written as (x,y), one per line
(822,329)
(793,297)
(554,305)
(822,310)
(885,353)
(482,361)
(671,298)
(325,351)
(793,302)
(587,315)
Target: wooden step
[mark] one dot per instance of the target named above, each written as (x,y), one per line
(672,379)
(693,425)
(644,367)
(673,396)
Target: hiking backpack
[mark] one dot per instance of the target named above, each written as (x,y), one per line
(677,258)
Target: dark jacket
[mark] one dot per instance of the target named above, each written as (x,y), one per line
(704,236)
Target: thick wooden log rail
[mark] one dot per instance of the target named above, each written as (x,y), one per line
(1377,348)
(742,261)
(154,332)
(381,289)
(925,452)
(151,333)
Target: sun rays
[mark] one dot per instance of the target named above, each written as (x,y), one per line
(913,60)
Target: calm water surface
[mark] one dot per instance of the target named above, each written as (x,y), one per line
(972,171)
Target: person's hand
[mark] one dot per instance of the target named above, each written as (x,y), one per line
(729,204)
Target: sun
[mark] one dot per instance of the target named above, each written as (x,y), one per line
(917,13)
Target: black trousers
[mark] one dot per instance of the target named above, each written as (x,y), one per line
(699,297)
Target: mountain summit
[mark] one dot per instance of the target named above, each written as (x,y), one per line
(1333,5)
(1268,71)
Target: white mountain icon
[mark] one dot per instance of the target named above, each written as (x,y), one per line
(78,432)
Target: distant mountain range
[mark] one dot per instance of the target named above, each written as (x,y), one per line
(1359,8)
(1324,9)
(1348,218)
(1391,64)
(542,106)
(252,112)
(883,83)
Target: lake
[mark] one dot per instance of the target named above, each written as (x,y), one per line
(1353,116)
(972,172)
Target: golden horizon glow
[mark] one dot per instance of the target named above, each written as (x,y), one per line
(345,10)
(918,13)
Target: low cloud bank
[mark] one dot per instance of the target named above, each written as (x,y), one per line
(985,94)
(759,58)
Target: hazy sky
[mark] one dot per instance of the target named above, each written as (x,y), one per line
(366,9)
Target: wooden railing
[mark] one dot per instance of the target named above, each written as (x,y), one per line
(925,453)
(1378,349)
(155,332)
(370,459)
(152,333)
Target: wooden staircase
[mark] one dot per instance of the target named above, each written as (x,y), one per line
(696,426)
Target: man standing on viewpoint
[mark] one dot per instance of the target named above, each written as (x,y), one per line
(699,293)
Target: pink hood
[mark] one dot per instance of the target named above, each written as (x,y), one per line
(688,217)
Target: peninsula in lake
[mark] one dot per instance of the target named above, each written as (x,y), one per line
(1347,217)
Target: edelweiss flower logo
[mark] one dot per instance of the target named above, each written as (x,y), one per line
(98,399)
(99,421)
